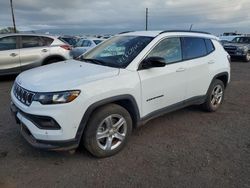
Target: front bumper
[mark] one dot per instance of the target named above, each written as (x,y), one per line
(41,144)
(237,54)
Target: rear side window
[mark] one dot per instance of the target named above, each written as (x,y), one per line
(46,41)
(209,45)
(193,47)
(8,43)
(169,49)
(31,41)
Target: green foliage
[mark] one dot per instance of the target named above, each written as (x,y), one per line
(7,30)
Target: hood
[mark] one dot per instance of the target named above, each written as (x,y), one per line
(232,44)
(66,75)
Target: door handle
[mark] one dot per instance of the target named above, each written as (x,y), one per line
(180,69)
(44,50)
(13,54)
(211,62)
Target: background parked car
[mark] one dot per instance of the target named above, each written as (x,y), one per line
(84,45)
(19,52)
(239,48)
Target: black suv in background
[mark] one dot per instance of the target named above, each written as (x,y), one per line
(239,47)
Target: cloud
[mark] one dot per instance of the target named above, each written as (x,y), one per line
(115,15)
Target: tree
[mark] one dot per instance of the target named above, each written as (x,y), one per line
(8,30)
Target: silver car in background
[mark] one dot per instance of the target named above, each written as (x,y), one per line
(19,52)
(84,45)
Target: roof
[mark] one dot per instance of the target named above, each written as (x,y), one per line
(171,32)
(27,34)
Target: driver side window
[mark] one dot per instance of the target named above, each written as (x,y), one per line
(169,49)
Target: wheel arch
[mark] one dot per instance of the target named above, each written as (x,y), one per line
(59,57)
(223,77)
(126,101)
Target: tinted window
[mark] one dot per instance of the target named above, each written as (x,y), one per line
(70,41)
(193,47)
(31,41)
(209,45)
(8,43)
(241,40)
(169,49)
(47,41)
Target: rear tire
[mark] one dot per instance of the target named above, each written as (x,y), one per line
(215,96)
(107,131)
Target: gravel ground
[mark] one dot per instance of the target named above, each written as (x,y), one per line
(186,148)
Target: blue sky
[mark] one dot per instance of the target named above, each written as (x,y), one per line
(111,16)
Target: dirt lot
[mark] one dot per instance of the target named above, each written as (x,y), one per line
(187,148)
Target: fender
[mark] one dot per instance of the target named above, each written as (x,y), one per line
(52,57)
(218,75)
(95,105)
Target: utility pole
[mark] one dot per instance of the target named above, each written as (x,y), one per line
(13,17)
(146,19)
(191,26)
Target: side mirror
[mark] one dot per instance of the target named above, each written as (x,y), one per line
(152,62)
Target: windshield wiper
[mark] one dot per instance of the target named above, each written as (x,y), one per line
(95,61)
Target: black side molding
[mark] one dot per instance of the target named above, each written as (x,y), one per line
(192,101)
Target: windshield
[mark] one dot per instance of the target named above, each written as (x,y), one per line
(118,51)
(83,43)
(241,40)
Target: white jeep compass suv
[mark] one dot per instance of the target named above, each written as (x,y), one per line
(117,86)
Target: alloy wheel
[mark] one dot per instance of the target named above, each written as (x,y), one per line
(216,96)
(111,132)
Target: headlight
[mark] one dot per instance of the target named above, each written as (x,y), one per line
(56,97)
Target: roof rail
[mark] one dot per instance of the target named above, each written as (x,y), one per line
(188,31)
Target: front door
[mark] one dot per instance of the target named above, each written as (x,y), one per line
(164,86)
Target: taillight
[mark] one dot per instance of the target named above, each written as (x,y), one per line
(66,47)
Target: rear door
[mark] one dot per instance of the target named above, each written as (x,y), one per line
(9,55)
(34,50)
(199,65)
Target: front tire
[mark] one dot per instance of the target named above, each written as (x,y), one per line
(247,58)
(107,131)
(215,96)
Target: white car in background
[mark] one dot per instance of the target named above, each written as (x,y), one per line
(84,45)
(20,52)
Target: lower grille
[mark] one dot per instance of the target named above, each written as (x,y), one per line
(23,95)
(231,49)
